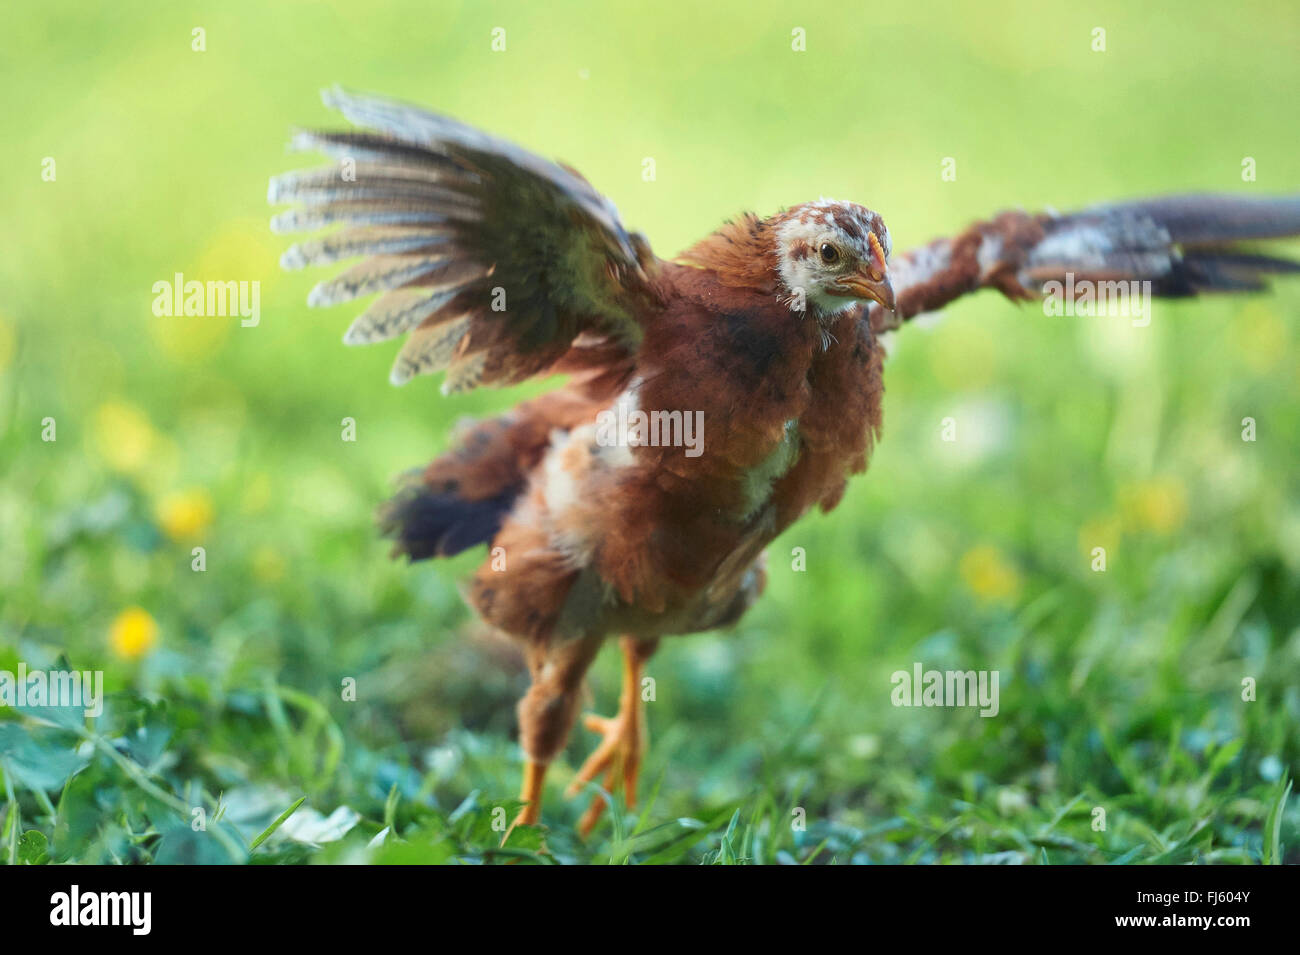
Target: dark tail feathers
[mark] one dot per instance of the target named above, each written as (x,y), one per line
(423,523)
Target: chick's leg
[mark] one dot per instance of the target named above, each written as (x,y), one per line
(547,713)
(619,754)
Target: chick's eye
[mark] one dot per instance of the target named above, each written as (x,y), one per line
(829,253)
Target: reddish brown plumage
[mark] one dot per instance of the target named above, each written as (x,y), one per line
(742,254)
(511,266)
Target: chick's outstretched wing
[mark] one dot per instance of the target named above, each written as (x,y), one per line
(492,261)
(1182,245)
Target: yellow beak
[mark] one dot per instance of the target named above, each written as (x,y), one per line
(869,284)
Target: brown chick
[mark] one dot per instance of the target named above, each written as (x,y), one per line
(712,399)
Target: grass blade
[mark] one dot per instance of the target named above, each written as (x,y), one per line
(280,820)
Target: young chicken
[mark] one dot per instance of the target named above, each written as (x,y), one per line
(498,265)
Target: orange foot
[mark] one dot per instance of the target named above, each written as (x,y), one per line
(531,794)
(619,753)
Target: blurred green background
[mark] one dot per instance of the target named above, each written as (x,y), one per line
(1120,690)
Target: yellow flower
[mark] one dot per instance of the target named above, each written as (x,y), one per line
(185,515)
(133,634)
(123,436)
(1158,504)
(989,575)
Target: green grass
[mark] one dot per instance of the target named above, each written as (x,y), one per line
(1121,690)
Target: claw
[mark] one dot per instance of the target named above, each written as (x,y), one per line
(618,756)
